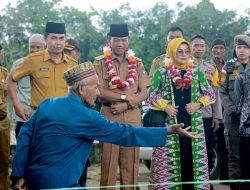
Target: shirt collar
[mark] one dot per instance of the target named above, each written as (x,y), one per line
(47,57)
(114,57)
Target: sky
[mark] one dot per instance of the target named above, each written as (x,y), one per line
(84,5)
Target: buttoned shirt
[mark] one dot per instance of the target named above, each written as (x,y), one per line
(132,116)
(46,76)
(3,92)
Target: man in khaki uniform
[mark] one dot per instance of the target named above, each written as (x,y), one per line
(36,43)
(120,103)
(4,128)
(212,113)
(173,32)
(218,50)
(231,117)
(45,69)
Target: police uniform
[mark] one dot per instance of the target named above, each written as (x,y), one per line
(221,144)
(4,132)
(211,111)
(231,120)
(128,158)
(156,63)
(46,76)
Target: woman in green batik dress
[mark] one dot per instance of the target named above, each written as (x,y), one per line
(180,89)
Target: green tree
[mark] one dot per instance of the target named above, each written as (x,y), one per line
(206,20)
(18,22)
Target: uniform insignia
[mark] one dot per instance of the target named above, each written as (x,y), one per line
(44,69)
(223,78)
(235,72)
(138,59)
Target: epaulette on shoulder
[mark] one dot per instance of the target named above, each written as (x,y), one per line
(96,64)
(160,57)
(70,58)
(38,53)
(138,59)
(231,61)
(4,69)
(100,57)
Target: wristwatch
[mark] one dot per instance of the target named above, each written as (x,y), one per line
(123,97)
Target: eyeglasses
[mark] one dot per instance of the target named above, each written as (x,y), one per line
(182,52)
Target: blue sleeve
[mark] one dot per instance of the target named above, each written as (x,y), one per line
(23,147)
(125,135)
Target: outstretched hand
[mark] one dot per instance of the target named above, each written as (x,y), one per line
(178,129)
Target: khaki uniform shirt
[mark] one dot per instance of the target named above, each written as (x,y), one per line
(132,116)
(46,77)
(3,91)
(156,63)
(214,110)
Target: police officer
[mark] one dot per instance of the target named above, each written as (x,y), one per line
(123,86)
(4,127)
(231,117)
(45,69)
(172,33)
(212,113)
(218,50)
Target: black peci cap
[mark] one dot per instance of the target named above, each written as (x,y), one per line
(55,27)
(118,30)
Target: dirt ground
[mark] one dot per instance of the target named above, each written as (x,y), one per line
(143,178)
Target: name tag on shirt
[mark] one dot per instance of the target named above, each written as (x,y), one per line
(44,69)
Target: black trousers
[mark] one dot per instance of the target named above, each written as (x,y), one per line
(19,124)
(210,141)
(222,149)
(245,161)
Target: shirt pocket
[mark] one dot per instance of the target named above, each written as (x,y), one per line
(43,74)
(106,80)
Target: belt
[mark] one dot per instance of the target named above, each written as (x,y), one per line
(2,117)
(33,107)
(106,104)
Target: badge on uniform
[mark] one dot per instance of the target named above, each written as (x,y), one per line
(235,72)
(222,78)
(44,69)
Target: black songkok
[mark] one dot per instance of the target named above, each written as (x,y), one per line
(55,28)
(118,30)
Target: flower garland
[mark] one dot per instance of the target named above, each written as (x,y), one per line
(180,82)
(115,80)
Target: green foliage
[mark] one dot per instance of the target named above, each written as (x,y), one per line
(204,19)
(147,27)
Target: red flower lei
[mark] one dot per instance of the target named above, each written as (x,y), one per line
(184,82)
(115,80)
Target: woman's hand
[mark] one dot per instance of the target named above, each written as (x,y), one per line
(192,107)
(171,111)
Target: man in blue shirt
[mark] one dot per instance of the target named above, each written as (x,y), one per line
(53,145)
